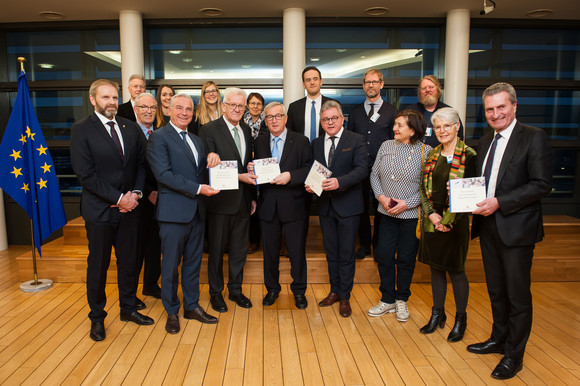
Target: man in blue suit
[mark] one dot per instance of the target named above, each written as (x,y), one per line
(178,161)
(341,203)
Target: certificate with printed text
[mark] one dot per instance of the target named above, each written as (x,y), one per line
(465,193)
(318,173)
(266,169)
(224,176)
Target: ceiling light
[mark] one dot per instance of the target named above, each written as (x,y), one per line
(229,51)
(187,60)
(341,50)
(540,13)
(246,65)
(314,59)
(211,11)
(377,11)
(197,66)
(51,15)
(175,52)
(46,65)
(363,57)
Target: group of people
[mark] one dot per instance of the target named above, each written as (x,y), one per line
(152,175)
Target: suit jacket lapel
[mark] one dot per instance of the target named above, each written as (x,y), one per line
(287,148)
(105,136)
(225,132)
(178,140)
(509,152)
(483,148)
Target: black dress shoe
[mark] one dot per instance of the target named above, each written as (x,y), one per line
(200,315)
(139,304)
(240,300)
(301,302)
(136,317)
(218,303)
(172,324)
(97,331)
(487,347)
(362,252)
(507,368)
(270,298)
(154,292)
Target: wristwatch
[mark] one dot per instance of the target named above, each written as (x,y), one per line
(138,193)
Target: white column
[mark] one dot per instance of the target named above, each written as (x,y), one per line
(3,236)
(132,61)
(294,57)
(457,59)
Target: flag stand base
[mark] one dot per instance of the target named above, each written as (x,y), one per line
(41,285)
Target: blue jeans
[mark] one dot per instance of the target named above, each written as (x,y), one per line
(396,237)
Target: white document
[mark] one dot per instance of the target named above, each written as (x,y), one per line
(318,173)
(266,169)
(465,193)
(224,176)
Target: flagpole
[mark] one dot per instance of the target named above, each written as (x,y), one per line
(34,285)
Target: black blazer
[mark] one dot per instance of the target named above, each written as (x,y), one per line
(126,111)
(296,115)
(218,139)
(288,200)
(375,133)
(103,174)
(150,181)
(525,176)
(350,167)
(432,140)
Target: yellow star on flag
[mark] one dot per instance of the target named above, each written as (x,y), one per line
(30,133)
(46,167)
(25,188)
(23,139)
(42,150)
(16,172)
(42,183)
(15,154)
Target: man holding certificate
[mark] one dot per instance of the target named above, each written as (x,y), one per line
(282,203)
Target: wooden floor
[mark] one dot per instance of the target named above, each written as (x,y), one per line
(44,340)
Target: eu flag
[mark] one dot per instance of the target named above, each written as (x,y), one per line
(26,170)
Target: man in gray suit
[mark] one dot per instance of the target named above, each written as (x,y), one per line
(178,161)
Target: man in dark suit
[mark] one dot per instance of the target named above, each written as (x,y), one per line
(281,204)
(429,94)
(229,138)
(304,114)
(341,203)
(374,120)
(517,163)
(149,245)
(178,161)
(136,87)
(109,162)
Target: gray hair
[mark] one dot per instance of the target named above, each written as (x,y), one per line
(271,105)
(446,114)
(496,88)
(143,94)
(136,76)
(331,105)
(180,95)
(231,91)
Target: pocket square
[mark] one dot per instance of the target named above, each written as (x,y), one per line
(347,149)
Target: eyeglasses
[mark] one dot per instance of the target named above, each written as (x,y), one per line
(234,106)
(272,117)
(143,107)
(331,119)
(255,104)
(446,127)
(210,92)
(372,82)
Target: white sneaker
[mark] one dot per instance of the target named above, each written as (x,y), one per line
(381,309)
(402,311)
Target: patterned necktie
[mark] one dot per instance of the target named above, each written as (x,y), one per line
(331,151)
(313,133)
(184,136)
(371,111)
(489,163)
(237,140)
(116,139)
(275,150)
(149,131)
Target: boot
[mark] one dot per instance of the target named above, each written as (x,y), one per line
(438,318)
(458,330)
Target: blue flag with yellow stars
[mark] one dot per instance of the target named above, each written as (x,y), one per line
(26,170)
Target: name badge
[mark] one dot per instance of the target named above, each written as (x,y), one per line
(375,117)
(428,131)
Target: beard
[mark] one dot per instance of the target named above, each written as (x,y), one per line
(428,100)
(107,110)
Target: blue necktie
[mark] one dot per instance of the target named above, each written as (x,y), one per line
(275,150)
(313,133)
(489,163)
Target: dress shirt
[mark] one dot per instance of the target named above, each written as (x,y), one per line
(307,111)
(241,134)
(499,151)
(328,143)
(145,129)
(281,143)
(105,120)
(377,105)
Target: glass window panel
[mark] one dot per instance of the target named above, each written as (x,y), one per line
(564,181)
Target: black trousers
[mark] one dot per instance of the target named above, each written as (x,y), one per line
(366,238)
(148,247)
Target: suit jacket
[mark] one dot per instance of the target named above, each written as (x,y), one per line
(350,167)
(432,140)
(375,133)
(218,139)
(525,176)
(103,174)
(296,116)
(126,111)
(150,181)
(289,200)
(178,175)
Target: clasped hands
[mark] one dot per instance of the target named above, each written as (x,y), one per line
(128,202)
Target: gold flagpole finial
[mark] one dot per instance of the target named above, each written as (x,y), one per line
(21,60)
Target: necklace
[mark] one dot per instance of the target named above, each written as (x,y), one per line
(393,162)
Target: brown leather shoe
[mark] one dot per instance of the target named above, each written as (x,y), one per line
(172,325)
(344,309)
(329,300)
(200,315)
